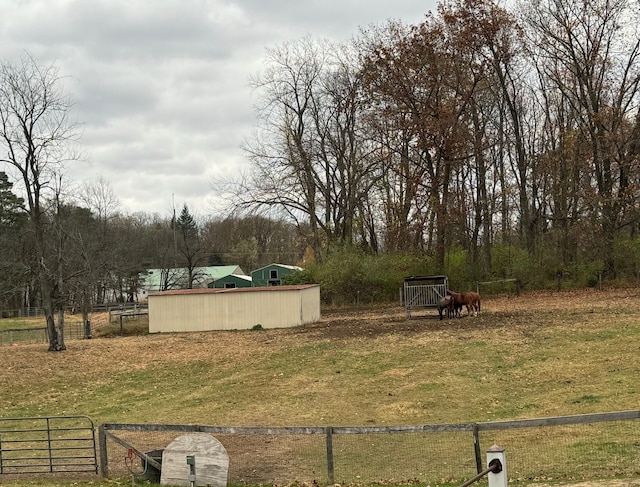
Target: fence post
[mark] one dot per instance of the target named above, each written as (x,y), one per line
(104,462)
(476,447)
(498,477)
(330,471)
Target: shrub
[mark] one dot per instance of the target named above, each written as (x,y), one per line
(305,276)
(627,257)
(512,262)
(349,275)
(457,268)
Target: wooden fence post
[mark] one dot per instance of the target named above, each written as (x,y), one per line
(476,448)
(330,471)
(104,458)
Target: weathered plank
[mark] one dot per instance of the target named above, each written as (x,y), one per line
(211,461)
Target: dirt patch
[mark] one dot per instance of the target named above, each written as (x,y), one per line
(539,308)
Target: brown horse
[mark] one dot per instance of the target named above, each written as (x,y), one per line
(469,299)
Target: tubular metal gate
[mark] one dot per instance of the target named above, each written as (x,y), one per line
(52,444)
(422,292)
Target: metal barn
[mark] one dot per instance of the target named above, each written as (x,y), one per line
(422,292)
(231,281)
(272,274)
(233,309)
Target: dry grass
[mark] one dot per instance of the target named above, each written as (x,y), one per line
(542,354)
(538,355)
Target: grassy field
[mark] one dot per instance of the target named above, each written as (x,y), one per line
(542,354)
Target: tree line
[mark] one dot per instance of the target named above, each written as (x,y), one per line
(483,142)
(481,128)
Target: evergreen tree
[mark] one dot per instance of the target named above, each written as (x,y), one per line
(12,212)
(189,244)
(12,220)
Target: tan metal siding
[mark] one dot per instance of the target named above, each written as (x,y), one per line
(233,309)
(310,305)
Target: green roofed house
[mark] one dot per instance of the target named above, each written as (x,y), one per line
(231,281)
(176,278)
(272,274)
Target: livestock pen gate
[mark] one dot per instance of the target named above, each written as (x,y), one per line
(422,292)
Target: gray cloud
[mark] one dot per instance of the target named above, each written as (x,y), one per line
(162,86)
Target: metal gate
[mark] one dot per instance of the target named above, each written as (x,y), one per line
(422,292)
(52,444)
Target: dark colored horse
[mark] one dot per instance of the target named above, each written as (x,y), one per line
(469,299)
(446,303)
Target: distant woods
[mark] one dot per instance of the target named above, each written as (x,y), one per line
(105,257)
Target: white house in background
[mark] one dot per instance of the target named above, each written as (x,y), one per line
(154,280)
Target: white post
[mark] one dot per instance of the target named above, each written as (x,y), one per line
(497,458)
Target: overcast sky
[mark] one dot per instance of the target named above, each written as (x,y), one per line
(161,86)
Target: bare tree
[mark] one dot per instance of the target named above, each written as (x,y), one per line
(99,197)
(284,174)
(36,133)
(311,159)
(488,39)
(424,81)
(590,52)
(394,75)
(251,242)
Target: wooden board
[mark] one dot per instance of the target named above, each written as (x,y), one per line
(211,461)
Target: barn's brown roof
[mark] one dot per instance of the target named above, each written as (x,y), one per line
(297,287)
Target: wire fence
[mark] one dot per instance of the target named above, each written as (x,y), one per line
(583,447)
(16,330)
(39,334)
(21,312)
